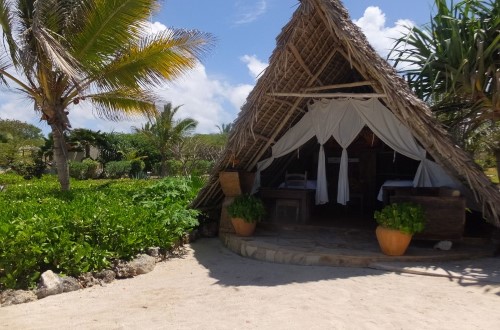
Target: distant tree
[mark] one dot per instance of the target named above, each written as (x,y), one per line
(82,139)
(163,132)
(19,130)
(69,51)
(17,140)
(197,154)
(225,128)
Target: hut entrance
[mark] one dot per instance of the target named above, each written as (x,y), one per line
(371,163)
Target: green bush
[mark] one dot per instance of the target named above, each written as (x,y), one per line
(77,170)
(118,169)
(406,217)
(86,169)
(29,168)
(247,207)
(136,168)
(92,167)
(87,228)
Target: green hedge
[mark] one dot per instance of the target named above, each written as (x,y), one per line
(85,229)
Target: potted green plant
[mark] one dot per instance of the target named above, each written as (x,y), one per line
(396,225)
(245,211)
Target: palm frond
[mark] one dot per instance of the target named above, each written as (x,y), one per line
(6,22)
(108,25)
(45,13)
(124,103)
(154,59)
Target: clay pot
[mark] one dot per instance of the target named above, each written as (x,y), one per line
(243,228)
(392,242)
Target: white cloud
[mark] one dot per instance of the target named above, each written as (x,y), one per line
(17,106)
(203,99)
(155,27)
(380,36)
(255,66)
(248,13)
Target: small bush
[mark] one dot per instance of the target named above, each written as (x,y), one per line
(29,168)
(92,167)
(118,169)
(77,170)
(136,168)
(86,169)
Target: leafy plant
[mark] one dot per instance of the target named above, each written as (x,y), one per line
(86,169)
(29,168)
(247,207)
(118,169)
(406,217)
(85,229)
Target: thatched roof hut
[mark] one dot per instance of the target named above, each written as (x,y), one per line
(322,53)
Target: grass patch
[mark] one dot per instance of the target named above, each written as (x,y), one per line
(88,227)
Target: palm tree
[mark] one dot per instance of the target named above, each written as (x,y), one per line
(452,63)
(163,131)
(62,52)
(225,128)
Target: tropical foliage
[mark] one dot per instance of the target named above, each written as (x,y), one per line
(163,132)
(19,142)
(87,228)
(453,64)
(60,53)
(406,217)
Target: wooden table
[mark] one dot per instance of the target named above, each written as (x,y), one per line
(304,196)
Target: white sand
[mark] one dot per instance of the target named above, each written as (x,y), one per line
(212,288)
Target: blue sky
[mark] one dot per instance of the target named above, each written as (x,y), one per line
(245,31)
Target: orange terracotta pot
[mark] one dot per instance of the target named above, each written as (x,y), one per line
(243,228)
(392,242)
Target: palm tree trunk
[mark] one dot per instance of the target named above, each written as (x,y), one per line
(163,168)
(61,156)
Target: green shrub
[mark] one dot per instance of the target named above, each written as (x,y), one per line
(136,167)
(88,227)
(29,168)
(77,170)
(92,167)
(247,207)
(406,217)
(118,169)
(86,169)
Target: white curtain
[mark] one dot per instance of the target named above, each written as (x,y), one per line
(397,136)
(323,122)
(290,141)
(347,127)
(343,119)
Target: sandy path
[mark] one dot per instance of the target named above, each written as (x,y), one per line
(212,288)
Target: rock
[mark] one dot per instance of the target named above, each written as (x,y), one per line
(142,264)
(14,297)
(106,275)
(154,252)
(70,284)
(443,245)
(122,269)
(87,280)
(50,284)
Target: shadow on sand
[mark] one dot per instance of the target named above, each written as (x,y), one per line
(230,269)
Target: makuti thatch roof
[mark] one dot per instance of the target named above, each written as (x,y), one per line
(322,51)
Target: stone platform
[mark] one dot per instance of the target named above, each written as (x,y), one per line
(346,247)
